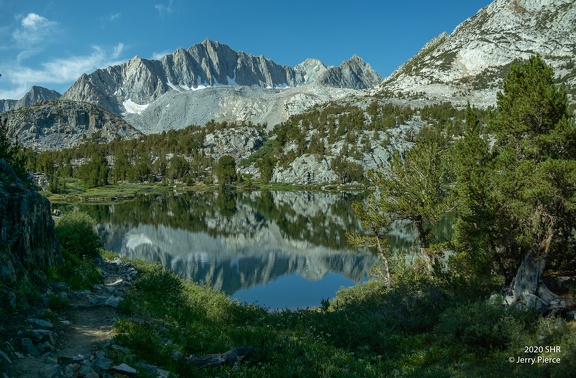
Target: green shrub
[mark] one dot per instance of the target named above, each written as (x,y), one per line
(57,302)
(76,234)
(482,327)
(77,272)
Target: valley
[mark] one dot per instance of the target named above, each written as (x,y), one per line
(227,215)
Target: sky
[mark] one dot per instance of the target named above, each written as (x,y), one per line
(53,42)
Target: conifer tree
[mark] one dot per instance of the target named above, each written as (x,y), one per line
(518,199)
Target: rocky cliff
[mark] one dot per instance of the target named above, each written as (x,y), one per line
(471,63)
(27,236)
(60,124)
(212,81)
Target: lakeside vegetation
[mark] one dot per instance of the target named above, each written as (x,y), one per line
(509,176)
(422,327)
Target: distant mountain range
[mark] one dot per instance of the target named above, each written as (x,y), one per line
(211,81)
(139,82)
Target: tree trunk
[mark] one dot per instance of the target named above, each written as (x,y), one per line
(527,287)
(422,237)
(529,276)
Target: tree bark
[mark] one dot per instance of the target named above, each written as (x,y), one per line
(528,277)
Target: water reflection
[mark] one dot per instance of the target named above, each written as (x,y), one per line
(273,248)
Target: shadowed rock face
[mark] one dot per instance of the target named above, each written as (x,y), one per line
(27,235)
(61,124)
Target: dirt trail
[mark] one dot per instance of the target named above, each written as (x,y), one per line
(82,328)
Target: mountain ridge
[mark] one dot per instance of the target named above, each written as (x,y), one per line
(207,64)
(35,94)
(470,64)
(61,123)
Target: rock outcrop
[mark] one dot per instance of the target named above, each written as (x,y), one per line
(61,124)
(27,235)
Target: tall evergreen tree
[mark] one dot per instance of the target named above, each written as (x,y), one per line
(521,199)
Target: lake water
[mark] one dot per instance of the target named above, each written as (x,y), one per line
(278,249)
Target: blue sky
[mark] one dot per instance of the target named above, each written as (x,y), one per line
(51,43)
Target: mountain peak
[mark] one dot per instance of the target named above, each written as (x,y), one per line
(35,94)
(471,63)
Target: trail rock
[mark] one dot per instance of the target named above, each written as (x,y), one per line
(50,371)
(113,301)
(5,357)
(29,347)
(124,369)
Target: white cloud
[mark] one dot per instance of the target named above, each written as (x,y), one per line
(114,17)
(165,9)
(57,71)
(160,55)
(34,21)
(33,30)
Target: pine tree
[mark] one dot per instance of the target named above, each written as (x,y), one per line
(518,200)
(415,188)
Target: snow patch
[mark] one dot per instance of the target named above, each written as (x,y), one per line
(171,85)
(132,107)
(232,80)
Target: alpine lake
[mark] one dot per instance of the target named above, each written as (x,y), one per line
(277,249)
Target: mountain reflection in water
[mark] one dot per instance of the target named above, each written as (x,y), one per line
(242,242)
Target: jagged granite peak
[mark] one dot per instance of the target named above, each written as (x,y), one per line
(38,94)
(63,123)
(353,73)
(130,87)
(310,69)
(471,63)
(32,96)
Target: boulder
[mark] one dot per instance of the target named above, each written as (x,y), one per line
(27,234)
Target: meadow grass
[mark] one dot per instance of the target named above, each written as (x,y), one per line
(416,329)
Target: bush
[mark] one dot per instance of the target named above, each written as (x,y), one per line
(76,234)
(482,327)
(78,273)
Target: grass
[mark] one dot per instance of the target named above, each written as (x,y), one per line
(75,192)
(418,329)
(78,273)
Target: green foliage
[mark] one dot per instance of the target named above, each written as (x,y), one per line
(266,167)
(226,170)
(421,327)
(347,171)
(76,234)
(13,154)
(79,273)
(519,196)
(178,169)
(57,302)
(417,187)
(481,327)
(95,173)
